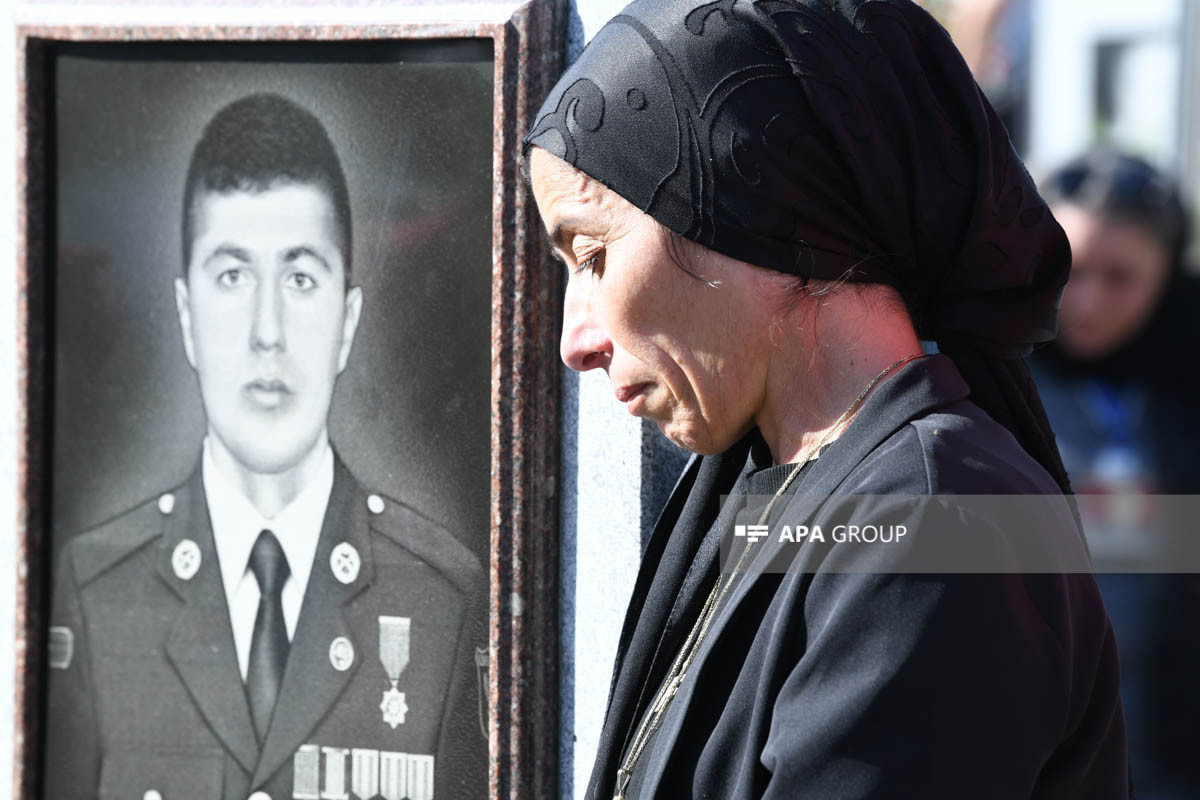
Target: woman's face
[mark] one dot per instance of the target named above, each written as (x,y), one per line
(684,352)
(1118,273)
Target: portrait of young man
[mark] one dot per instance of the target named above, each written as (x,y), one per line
(271,627)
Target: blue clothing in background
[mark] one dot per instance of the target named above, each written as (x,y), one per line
(1128,439)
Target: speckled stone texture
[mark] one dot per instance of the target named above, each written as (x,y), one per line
(617,473)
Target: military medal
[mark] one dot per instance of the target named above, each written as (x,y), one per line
(61,646)
(481,673)
(393,654)
(306,773)
(364,772)
(405,776)
(394,707)
(393,775)
(335,774)
(420,777)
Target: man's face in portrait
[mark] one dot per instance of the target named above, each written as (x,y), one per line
(267,319)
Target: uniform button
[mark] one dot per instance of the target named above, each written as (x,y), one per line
(152,794)
(375,504)
(341,653)
(260,796)
(166,503)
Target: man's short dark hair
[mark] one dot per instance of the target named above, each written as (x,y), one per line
(257,143)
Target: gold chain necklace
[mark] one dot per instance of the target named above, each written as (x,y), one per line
(691,647)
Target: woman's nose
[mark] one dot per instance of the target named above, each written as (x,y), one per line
(584,344)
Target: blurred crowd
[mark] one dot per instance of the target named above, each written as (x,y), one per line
(1121,386)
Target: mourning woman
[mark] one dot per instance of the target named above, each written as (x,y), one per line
(765,209)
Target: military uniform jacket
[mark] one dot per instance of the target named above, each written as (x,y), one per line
(145,696)
(835,684)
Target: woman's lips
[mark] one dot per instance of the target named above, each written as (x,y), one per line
(632,396)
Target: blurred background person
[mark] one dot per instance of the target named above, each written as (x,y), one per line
(1124,366)
(1121,383)
(1121,386)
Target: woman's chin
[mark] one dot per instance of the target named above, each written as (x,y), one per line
(700,442)
(680,437)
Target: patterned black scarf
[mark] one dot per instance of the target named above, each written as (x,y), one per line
(830,139)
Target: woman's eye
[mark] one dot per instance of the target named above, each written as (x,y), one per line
(232,278)
(301,281)
(593,264)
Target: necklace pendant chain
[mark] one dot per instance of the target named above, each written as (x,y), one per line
(815,452)
(669,694)
(623,776)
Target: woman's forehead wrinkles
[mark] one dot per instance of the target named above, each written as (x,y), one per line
(566,181)
(583,195)
(583,209)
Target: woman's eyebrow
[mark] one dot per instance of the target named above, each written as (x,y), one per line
(559,233)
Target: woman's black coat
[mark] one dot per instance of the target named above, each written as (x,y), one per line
(820,683)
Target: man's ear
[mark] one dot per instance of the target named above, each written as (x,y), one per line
(184,310)
(354,302)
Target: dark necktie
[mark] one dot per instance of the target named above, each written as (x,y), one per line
(269,646)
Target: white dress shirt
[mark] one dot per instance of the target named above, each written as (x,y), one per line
(236,525)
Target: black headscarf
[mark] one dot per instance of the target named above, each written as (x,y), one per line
(829,139)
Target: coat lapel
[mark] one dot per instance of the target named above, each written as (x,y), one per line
(200,644)
(662,596)
(311,685)
(916,390)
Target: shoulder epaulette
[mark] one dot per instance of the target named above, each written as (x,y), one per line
(102,547)
(426,539)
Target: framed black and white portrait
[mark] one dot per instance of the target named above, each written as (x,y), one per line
(290,411)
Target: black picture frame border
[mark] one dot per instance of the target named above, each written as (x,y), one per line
(528,42)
